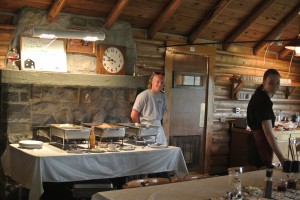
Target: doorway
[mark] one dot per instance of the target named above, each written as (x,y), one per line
(188,88)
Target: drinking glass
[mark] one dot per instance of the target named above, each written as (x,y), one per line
(235,185)
(12,57)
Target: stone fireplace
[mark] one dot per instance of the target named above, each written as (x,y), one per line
(36,98)
(30,99)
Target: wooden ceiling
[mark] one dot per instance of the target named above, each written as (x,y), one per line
(250,23)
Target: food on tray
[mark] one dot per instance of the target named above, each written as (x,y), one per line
(105,125)
(102,144)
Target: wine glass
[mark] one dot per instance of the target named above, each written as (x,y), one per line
(12,57)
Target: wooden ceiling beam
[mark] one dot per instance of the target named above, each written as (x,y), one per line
(247,22)
(54,10)
(163,18)
(284,52)
(208,19)
(7,27)
(115,13)
(260,46)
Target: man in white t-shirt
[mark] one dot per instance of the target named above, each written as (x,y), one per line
(150,106)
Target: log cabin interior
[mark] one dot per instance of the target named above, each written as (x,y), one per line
(213,54)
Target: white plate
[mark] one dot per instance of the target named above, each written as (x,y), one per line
(113,150)
(77,151)
(97,150)
(127,148)
(31,144)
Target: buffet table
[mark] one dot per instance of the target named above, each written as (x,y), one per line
(210,188)
(32,167)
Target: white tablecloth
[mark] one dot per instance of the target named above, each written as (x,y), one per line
(32,167)
(210,188)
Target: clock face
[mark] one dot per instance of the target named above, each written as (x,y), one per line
(113,60)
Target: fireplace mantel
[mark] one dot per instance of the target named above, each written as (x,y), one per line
(68,79)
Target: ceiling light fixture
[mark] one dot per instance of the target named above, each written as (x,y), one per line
(51,34)
(294,47)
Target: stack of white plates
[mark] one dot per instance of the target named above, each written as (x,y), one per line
(31,144)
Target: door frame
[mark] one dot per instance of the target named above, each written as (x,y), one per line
(209,52)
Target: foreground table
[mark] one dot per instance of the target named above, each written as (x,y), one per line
(32,167)
(190,190)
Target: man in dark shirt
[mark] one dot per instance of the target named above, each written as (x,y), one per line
(261,118)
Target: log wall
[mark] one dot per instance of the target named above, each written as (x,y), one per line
(227,64)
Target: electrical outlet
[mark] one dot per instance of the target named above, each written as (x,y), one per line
(237,110)
(222,119)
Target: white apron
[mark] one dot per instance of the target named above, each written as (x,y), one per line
(161,137)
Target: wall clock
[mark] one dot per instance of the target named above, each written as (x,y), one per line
(111,59)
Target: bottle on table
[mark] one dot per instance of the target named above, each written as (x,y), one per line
(92,138)
(269,184)
(235,185)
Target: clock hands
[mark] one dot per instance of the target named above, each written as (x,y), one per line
(110,59)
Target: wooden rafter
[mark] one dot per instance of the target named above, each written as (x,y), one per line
(115,13)
(55,9)
(248,20)
(289,91)
(163,18)
(211,15)
(284,52)
(260,46)
(7,27)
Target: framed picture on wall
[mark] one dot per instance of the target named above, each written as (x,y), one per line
(81,46)
(43,54)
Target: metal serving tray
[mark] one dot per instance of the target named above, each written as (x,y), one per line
(140,130)
(69,131)
(110,130)
(105,130)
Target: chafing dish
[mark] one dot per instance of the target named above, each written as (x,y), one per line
(105,130)
(67,132)
(140,130)
(110,130)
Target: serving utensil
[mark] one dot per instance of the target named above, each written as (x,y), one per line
(291,149)
(297,150)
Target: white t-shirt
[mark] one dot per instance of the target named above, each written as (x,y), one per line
(151,107)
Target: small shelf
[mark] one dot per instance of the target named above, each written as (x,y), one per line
(238,83)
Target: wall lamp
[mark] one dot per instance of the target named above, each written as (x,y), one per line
(51,34)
